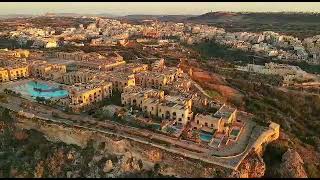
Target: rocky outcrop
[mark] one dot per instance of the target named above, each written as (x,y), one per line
(292,165)
(56,133)
(154,156)
(130,163)
(251,167)
(108,166)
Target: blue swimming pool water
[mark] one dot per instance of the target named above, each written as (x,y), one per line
(173,129)
(46,91)
(204,136)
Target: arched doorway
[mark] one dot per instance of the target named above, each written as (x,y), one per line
(167,115)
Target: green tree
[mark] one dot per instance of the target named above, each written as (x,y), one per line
(6,117)
(40,99)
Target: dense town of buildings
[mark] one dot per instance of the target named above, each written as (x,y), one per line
(290,74)
(110,32)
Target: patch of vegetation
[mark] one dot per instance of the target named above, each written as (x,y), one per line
(11,92)
(40,99)
(8,43)
(312,170)
(204,110)
(115,99)
(210,49)
(3,98)
(272,157)
(212,93)
(296,113)
(307,67)
(5,115)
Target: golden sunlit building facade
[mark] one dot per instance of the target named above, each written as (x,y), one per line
(4,76)
(83,96)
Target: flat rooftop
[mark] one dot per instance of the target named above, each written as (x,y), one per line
(224,111)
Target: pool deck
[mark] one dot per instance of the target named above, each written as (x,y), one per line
(13,84)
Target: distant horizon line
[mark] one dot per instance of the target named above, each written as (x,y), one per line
(118,14)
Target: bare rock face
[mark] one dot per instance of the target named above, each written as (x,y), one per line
(129,163)
(234,174)
(292,165)
(251,167)
(154,156)
(39,170)
(71,155)
(108,166)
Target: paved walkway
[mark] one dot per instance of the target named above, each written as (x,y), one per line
(201,89)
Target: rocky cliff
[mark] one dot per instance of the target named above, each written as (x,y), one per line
(252,166)
(292,165)
(77,152)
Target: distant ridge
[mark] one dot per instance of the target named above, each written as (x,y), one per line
(256,17)
(140,17)
(210,17)
(55,15)
(16,16)
(77,14)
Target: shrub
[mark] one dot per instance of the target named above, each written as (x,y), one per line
(312,170)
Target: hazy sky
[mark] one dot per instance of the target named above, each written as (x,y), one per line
(124,8)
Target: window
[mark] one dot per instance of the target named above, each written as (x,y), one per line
(211,125)
(206,124)
(180,119)
(198,122)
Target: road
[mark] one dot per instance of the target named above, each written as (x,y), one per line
(187,149)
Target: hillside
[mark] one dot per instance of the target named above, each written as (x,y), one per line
(213,17)
(300,25)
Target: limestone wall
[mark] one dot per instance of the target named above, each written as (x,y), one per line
(57,133)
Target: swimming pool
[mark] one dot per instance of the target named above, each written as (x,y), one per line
(173,129)
(39,89)
(235,132)
(204,136)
